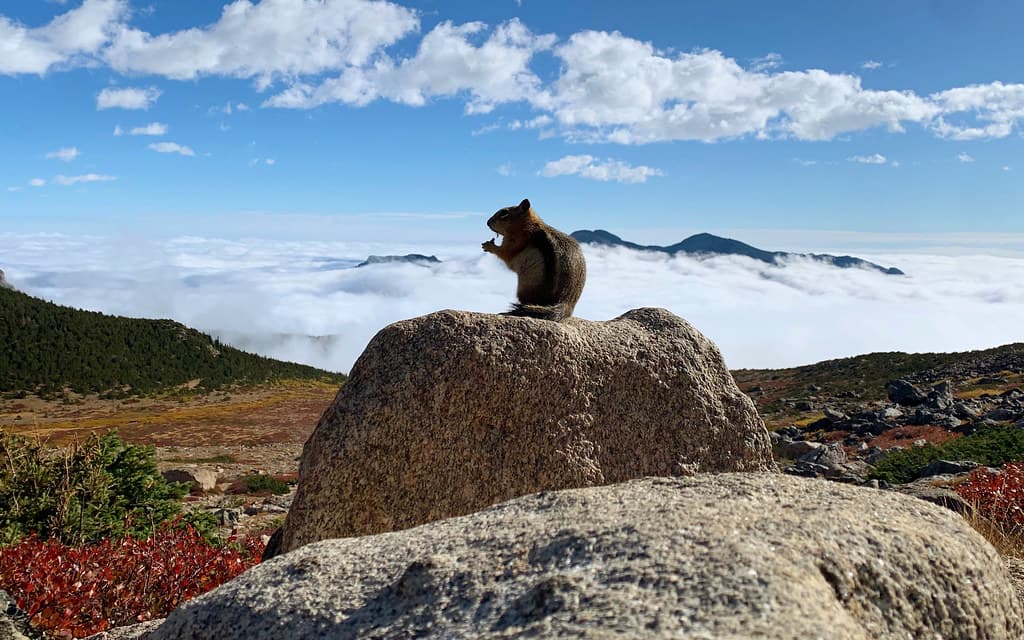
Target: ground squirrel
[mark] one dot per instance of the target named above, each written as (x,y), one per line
(549,263)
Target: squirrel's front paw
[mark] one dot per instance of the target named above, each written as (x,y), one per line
(489,246)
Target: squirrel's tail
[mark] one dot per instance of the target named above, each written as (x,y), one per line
(555,312)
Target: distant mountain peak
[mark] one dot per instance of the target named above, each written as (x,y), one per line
(703,244)
(409,258)
(3,281)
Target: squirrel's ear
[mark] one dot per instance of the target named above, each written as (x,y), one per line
(525,205)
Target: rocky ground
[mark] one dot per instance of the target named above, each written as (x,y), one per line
(212,441)
(838,430)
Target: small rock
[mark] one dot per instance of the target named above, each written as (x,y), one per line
(227,517)
(947,467)
(1003,414)
(804,405)
(199,478)
(920,442)
(798,449)
(834,415)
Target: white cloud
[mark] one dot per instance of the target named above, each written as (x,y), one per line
(131,98)
(875,158)
(1007,168)
(171,147)
(88,177)
(595,169)
(241,106)
(871,65)
(270,162)
(67,154)
(619,89)
(993,110)
(118,131)
(151,129)
(271,295)
(446,64)
(267,40)
(36,182)
(964,157)
(764,63)
(505,169)
(13,189)
(70,39)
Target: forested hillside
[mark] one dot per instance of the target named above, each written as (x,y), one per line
(45,347)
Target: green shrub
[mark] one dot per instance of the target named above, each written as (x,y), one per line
(259,483)
(992,446)
(100,488)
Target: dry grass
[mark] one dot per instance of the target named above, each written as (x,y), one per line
(279,412)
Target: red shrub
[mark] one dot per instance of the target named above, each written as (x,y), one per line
(997,496)
(78,591)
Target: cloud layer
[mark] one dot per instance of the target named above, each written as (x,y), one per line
(271,296)
(609,86)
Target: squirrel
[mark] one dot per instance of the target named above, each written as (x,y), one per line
(549,263)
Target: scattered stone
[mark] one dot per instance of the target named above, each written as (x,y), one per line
(947,467)
(713,556)
(834,415)
(890,413)
(804,405)
(1003,414)
(874,455)
(904,393)
(794,450)
(198,478)
(228,517)
(502,406)
(14,623)
(792,432)
(941,496)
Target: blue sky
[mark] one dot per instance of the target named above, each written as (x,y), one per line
(369,120)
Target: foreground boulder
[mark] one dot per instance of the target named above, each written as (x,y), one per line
(448,413)
(713,556)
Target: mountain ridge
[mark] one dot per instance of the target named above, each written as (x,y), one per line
(45,347)
(709,244)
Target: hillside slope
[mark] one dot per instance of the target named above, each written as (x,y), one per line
(45,347)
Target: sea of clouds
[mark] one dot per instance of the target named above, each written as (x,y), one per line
(305,301)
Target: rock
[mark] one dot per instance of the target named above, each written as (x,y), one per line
(4,285)
(905,394)
(941,496)
(828,455)
(947,467)
(228,517)
(803,405)
(792,431)
(889,413)
(198,478)
(14,623)
(966,410)
(447,413)
(713,556)
(794,450)
(941,397)
(1003,414)
(834,415)
(131,632)
(946,421)
(874,455)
